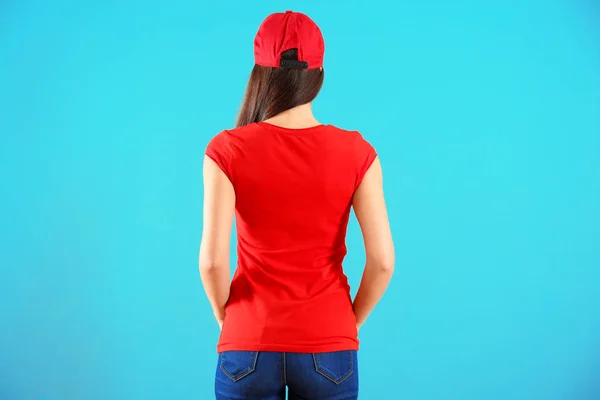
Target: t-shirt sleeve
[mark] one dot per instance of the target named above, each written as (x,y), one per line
(365,155)
(219,150)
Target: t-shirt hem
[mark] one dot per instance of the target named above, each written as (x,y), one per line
(288,348)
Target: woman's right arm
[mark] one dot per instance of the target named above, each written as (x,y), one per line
(370,210)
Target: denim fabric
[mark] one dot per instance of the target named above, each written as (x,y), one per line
(252,375)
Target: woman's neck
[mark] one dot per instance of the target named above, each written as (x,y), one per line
(295,118)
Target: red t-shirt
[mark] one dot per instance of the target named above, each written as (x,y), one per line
(294,191)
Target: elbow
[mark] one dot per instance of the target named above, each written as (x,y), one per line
(387,266)
(209,265)
(384,265)
(206,266)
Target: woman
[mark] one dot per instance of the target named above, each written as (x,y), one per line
(287,318)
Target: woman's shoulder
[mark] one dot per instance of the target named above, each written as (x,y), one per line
(353,136)
(345,132)
(238,131)
(226,136)
(252,131)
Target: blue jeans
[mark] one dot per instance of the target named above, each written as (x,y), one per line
(254,375)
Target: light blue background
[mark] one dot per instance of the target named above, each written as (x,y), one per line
(486,116)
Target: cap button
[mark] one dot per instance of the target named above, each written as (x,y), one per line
(289,11)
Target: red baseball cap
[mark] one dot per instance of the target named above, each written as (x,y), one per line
(289,30)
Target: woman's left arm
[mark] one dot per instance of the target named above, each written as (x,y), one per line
(219,208)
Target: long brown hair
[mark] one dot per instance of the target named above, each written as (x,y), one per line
(271,91)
